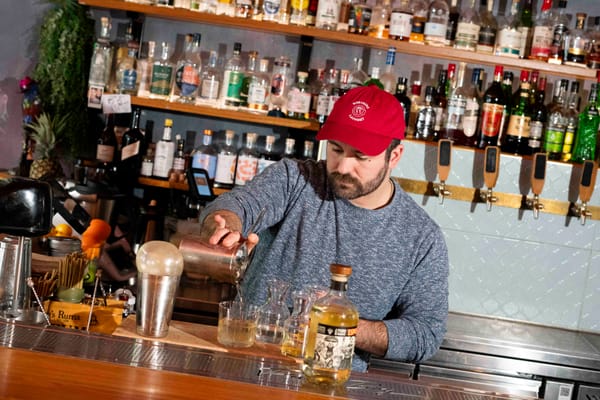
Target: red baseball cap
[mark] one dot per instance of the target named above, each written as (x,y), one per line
(366,118)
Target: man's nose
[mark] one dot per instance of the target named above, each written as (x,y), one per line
(345,165)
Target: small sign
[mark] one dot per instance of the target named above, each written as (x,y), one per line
(116,103)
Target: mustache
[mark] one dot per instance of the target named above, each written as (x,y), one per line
(336,177)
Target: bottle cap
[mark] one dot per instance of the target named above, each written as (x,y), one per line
(168,122)
(339,269)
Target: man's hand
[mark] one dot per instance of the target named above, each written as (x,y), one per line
(224,228)
(372,336)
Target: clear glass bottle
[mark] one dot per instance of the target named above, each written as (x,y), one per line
(420,9)
(327,14)
(247,161)
(249,74)
(126,74)
(308,150)
(331,334)
(508,39)
(488,27)
(358,76)
(290,148)
(325,93)
(463,110)
(425,124)
(272,315)
(162,75)
(571,116)
(453,17)
(268,156)
(586,138)
(437,23)
(388,78)
(188,72)
(101,61)
(299,97)
(270,11)
(560,29)
(554,135)
(360,17)
(577,43)
(467,31)
(233,76)
(541,40)
(164,152)
(416,103)
(299,10)
(400,21)
(144,71)
(295,328)
(594,49)
(259,88)
(211,80)
(205,156)
(226,159)
(279,86)
(379,26)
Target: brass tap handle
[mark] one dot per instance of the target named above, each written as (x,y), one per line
(538,173)
(491,170)
(444,160)
(490,198)
(586,188)
(536,206)
(441,191)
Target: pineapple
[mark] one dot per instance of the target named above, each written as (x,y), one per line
(45,131)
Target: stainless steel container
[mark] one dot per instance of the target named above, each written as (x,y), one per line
(155,302)
(14,270)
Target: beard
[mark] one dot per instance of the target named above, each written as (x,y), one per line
(350,188)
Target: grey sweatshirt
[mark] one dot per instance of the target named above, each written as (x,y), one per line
(397,253)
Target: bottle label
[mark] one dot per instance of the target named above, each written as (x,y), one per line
(190,80)
(147,166)
(467,35)
(509,43)
(323,105)
(555,137)
(486,39)
(161,80)
(334,347)
(440,115)
(400,25)
(257,95)
(235,86)
(471,118)
(541,42)
(360,18)
(262,164)
(210,89)
(205,161)
(179,164)
(128,80)
(491,119)
(246,169)
(456,111)
(298,101)
(271,9)
(518,126)
(130,150)
(105,153)
(435,29)
(536,130)
(567,147)
(327,14)
(225,172)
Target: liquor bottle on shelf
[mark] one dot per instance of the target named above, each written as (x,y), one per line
(311,12)
(333,319)
(510,98)
(525,27)
(374,78)
(279,86)
(415,105)
(437,23)
(327,14)
(268,156)
(126,72)
(344,16)
(259,88)
(187,73)
(299,10)
(379,26)
(516,139)
(400,21)
(270,11)
(577,43)
(488,27)
(424,128)
(539,116)
(492,111)
(586,137)
(144,71)
(226,160)
(324,98)
(148,162)
(453,17)
(440,103)
(308,150)
(162,75)
(133,149)
(101,64)
(179,157)
(403,98)
(211,80)
(571,116)
(120,50)
(508,39)
(451,79)
(247,161)
(205,156)
(463,111)
(107,143)
(543,33)
(251,71)
(299,97)
(233,76)
(420,9)
(594,53)
(290,148)
(560,29)
(555,128)
(358,76)
(388,78)
(360,17)
(164,152)
(467,31)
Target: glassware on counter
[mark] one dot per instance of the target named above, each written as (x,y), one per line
(273,314)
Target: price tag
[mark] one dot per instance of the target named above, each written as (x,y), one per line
(116,103)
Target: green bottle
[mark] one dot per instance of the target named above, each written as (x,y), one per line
(587,130)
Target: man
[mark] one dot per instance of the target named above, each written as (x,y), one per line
(347,210)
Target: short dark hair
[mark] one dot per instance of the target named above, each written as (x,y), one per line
(394,143)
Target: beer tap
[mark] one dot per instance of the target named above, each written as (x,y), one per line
(538,177)
(490,174)
(586,188)
(443,168)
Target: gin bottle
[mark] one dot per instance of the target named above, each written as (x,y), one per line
(164,152)
(211,80)
(577,43)
(488,27)
(541,40)
(299,97)
(101,59)
(259,88)
(247,161)
(226,159)
(233,77)
(467,31)
(144,71)
(162,75)
(205,156)
(437,23)
(269,156)
(187,73)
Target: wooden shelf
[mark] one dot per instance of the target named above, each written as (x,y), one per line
(180,14)
(224,113)
(164,184)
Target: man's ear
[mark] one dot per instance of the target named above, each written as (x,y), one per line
(396,155)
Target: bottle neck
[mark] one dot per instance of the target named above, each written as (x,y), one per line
(167,134)
(207,140)
(338,286)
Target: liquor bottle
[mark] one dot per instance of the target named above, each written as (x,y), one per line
(257,10)
(233,77)
(525,27)
(251,71)
(133,148)
(374,78)
(325,93)
(327,14)
(101,63)
(516,140)
(440,104)
(543,33)
(126,72)
(510,99)
(415,105)
(147,162)
(467,31)
(247,161)
(425,124)
(379,26)
(403,98)
(162,75)
(571,116)
(586,137)
(437,23)
(268,156)
(577,43)
(107,143)
(420,9)
(179,157)
(279,86)
(333,322)
(400,21)
(290,148)
(259,88)
(344,16)
(388,78)
(311,12)
(205,155)
(298,13)
(270,11)
(144,71)
(211,80)
(164,152)
(359,18)
(308,150)
(119,50)
(472,109)
(560,29)
(299,97)
(488,27)
(453,17)
(539,117)
(594,53)
(508,39)
(358,76)
(463,99)
(492,111)
(187,73)
(555,129)
(226,160)
(451,79)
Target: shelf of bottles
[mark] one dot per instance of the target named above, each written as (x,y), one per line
(456,55)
